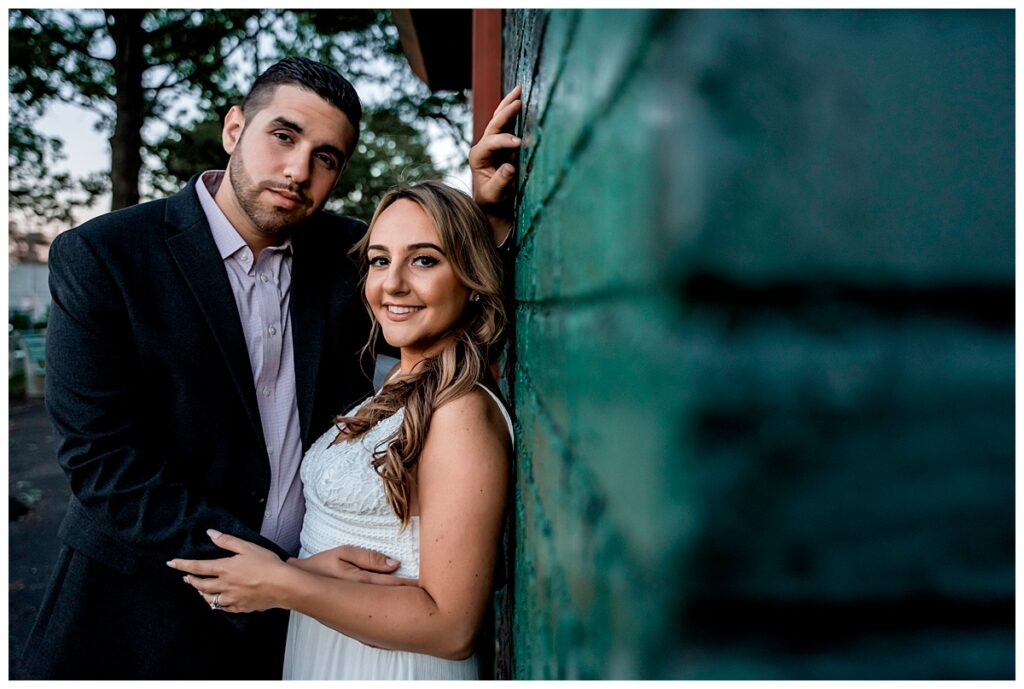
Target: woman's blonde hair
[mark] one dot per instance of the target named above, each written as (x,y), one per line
(466,239)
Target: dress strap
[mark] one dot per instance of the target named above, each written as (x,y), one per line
(504,412)
(389,379)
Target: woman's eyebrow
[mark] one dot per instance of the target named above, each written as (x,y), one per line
(411,247)
(427,245)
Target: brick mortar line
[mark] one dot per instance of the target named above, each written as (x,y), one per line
(593,487)
(530,478)
(656,24)
(560,68)
(589,480)
(555,81)
(806,301)
(609,295)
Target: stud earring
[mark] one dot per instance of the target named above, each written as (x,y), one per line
(476,297)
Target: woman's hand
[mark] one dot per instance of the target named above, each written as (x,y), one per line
(249,581)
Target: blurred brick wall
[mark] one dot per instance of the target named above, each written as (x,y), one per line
(764,349)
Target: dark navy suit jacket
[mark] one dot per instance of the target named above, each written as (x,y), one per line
(150,391)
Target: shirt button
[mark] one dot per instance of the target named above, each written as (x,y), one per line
(266,391)
(272,330)
(245,257)
(270,450)
(267,514)
(264,277)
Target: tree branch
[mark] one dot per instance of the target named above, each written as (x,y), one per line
(161,31)
(204,70)
(59,38)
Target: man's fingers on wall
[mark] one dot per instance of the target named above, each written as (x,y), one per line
(502,117)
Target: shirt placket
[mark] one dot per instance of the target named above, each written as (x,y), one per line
(268,311)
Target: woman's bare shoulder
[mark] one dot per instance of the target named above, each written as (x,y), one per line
(474,414)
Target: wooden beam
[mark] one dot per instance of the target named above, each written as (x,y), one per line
(486,82)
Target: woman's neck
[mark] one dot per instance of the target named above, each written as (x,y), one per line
(411,358)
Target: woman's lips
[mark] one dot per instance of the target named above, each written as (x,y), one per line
(402,314)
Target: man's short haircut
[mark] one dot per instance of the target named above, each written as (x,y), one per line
(322,80)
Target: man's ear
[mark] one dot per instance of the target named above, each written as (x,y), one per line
(234,123)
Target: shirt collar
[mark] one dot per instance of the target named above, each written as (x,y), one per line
(225,236)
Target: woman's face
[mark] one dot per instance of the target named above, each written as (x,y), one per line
(411,287)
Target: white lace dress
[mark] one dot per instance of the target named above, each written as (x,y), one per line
(346,505)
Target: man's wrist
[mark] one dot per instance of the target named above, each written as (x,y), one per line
(502,228)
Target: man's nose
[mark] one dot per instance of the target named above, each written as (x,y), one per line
(297,168)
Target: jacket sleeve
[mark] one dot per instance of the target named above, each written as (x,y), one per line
(118,474)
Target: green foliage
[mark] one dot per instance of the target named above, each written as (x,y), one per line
(197,65)
(390,151)
(20,320)
(43,50)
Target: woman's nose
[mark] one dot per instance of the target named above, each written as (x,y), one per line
(394,282)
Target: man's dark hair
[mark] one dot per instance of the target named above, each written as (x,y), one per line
(322,80)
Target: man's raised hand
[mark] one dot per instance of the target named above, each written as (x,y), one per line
(492,173)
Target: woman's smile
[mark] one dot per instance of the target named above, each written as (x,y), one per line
(401,313)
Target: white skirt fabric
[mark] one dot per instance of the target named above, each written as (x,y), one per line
(314,651)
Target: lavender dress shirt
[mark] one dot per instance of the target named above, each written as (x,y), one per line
(262,289)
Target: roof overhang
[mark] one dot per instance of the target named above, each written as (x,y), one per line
(438,45)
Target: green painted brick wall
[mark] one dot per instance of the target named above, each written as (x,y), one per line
(764,345)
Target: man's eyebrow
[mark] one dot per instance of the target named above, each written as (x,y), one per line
(297,128)
(287,124)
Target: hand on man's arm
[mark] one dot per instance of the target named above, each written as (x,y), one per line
(490,162)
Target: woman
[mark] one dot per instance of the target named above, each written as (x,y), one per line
(418,472)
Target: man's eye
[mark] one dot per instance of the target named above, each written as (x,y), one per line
(378,261)
(327,161)
(424,261)
(281,136)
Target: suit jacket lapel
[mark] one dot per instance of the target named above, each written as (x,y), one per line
(309,311)
(197,257)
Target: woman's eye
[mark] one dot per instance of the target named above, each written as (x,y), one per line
(424,261)
(378,261)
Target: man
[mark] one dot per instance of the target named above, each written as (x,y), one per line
(197,346)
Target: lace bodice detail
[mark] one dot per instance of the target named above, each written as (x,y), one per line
(345,500)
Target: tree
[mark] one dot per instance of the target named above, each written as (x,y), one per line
(137,68)
(127,65)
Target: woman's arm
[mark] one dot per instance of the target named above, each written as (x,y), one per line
(462,482)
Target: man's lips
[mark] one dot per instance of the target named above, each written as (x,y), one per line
(287,199)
